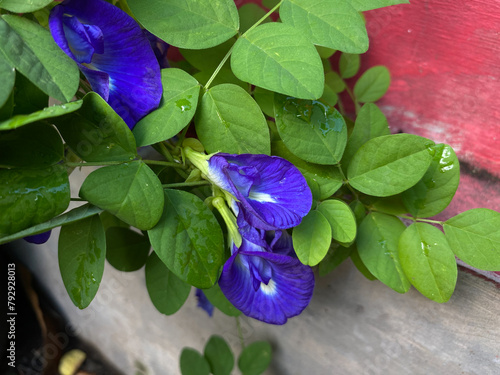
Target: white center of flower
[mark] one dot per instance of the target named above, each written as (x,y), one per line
(260,197)
(269,289)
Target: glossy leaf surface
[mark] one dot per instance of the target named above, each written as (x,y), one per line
(312,238)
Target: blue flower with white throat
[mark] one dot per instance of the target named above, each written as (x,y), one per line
(263,277)
(269,192)
(113,53)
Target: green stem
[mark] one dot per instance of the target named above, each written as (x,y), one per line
(165,163)
(357,107)
(346,181)
(93,164)
(217,70)
(124,6)
(77,200)
(422,220)
(240,332)
(186,184)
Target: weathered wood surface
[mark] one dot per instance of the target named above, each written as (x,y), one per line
(352,326)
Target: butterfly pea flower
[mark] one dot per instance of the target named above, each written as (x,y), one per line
(112,52)
(270,192)
(263,278)
(204,303)
(38,239)
(160,48)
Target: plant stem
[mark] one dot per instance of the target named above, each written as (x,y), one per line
(422,220)
(165,163)
(346,181)
(217,70)
(240,333)
(186,184)
(106,163)
(357,107)
(77,200)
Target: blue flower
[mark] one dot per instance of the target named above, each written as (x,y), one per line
(204,303)
(38,238)
(264,279)
(270,192)
(160,48)
(113,53)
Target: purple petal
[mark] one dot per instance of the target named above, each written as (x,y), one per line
(204,303)
(38,238)
(287,293)
(123,53)
(160,48)
(271,191)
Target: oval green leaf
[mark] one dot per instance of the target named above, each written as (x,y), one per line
(377,243)
(255,358)
(188,239)
(328,23)
(349,65)
(312,238)
(126,250)
(17,6)
(81,255)
(428,262)
(341,219)
(334,258)
(167,292)
(31,49)
(390,164)
(434,192)
(219,300)
(193,24)
(96,132)
(193,363)
(31,196)
(130,191)
(46,113)
(33,146)
(370,123)
(177,108)
(311,130)
(28,97)
(229,120)
(208,60)
(363,5)
(328,178)
(7,77)
(279,58)
(372,85)
(474,237)
(219,355)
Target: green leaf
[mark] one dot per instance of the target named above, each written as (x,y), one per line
(358,210)
(328,178)
(249,15)
(225,75)
(7,77)
(377,243)
(188,239)
(474,237)
(108,220)
(96,133)
(370,123)
(193,363)
(372,85)
(126,250)
(270,4)
(362,5)
(434,192)
(219,300)
(335,256)
(312,238)
(46,113)
(392,205)
(69,217)
(34,146)
(219,355)
(329,97)
(325,52)
(167,292)
(356,260)
(193,24)
(7,109)
(229,120)
(32,51)
(341,219)
(349,65)
(311,130)
(31,196)
(428,262)
(390,164)
(28,97)
(328,23)
(265,100)
(279,58)
(255,358)
(81,255)
(334,81)
(210,58)
(20,6)
(177,108)
(130,191)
